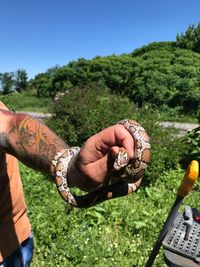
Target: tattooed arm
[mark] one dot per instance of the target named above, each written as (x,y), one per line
(29,140)
(33,143)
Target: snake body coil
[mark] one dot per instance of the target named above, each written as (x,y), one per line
(135,169)
(126,176)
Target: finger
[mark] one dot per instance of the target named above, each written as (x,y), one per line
(109,139)
(114,151)
(115,137)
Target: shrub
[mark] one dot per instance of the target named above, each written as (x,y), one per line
(82,112)
(192,147)
(166,146)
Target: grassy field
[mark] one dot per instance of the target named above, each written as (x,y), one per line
(119,232)
(27,101)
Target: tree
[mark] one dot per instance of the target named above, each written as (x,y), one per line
(159,74)
(190,39)
(21,80)
(43,82)
(7,82)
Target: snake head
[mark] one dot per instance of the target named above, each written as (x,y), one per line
(121,160)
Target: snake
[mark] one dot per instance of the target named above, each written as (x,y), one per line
(126,177)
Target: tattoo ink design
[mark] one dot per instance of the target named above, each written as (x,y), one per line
(37,142)
(30,141)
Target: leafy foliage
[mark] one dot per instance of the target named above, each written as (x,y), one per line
(166,147)
(21,80)
(160,74)
(190,39)
(192,146)
(7,82)
(43,82)
(11,81)
(82,112)
(167,78)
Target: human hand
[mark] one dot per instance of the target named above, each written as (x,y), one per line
(94,163)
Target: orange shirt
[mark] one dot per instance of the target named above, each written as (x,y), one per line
(14,223)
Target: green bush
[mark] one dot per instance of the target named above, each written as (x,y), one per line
(82,112)
(192,147)
(159,73)
(166,147)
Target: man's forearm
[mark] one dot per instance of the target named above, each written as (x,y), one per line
(29,140)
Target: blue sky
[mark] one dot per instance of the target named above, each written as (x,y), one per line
(39,34)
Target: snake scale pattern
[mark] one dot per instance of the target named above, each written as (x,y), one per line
(127,175)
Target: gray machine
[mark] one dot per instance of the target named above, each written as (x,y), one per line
(180,235)
(182,242)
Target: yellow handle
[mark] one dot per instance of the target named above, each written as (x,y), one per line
(189,179)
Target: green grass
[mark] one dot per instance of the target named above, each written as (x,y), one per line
(27,101)
(119,232)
